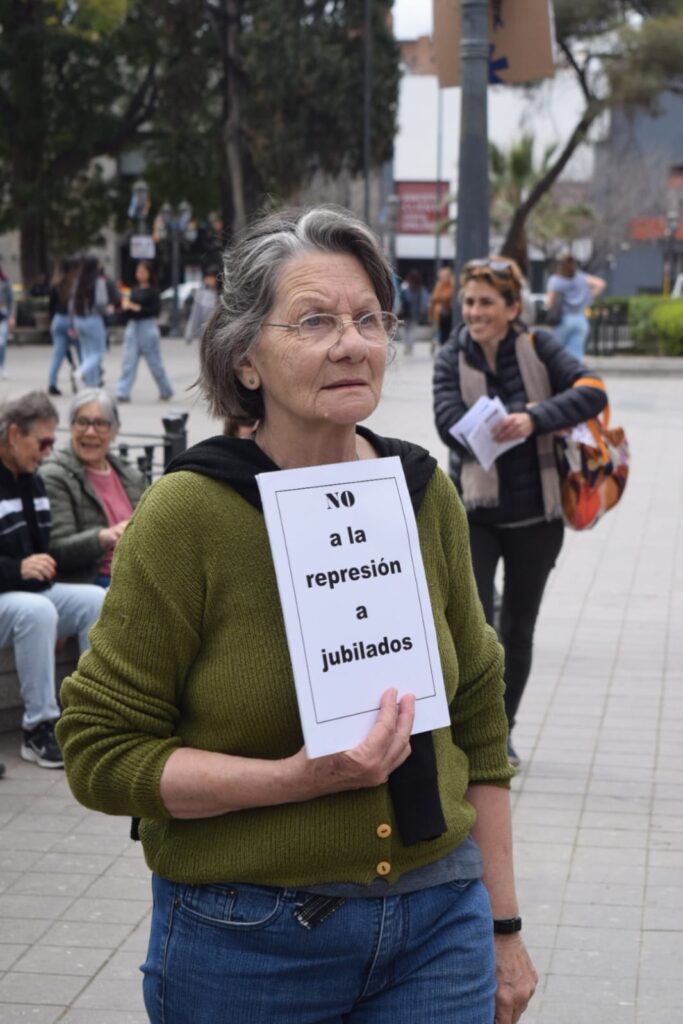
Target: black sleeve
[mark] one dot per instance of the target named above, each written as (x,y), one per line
(448,402)
(568,405)
(10,574)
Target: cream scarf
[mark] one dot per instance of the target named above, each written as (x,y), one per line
(480,488)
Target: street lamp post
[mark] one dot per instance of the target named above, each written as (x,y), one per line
(139,205)
(177,226)
(670,257)
(472,231)
(393,210)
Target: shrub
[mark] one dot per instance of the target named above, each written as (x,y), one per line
(641,320)
(667,319)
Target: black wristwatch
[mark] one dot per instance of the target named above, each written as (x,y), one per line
(507,925)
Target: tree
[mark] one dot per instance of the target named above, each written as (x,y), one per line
(622,54)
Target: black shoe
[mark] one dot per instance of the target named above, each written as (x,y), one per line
(513,756)
(52,390)
(40,746)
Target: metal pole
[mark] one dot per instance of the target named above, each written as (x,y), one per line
(472,231)
(439,150)
(367,107)
(175,271)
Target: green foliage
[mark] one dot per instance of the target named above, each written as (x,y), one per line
(667,317)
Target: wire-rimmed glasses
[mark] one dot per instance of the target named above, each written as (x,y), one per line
(327,328)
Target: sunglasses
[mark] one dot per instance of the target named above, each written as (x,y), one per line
(498,266)
(46,444)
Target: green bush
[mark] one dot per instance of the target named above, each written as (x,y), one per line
(641,310)
(667,319)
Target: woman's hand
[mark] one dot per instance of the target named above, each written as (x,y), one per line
(204,784)
(516,425)
(372,761)
(38,567)
(109,536)
(516,976)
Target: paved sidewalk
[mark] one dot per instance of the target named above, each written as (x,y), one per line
(597,804)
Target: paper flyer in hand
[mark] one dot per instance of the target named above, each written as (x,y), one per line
(474,430)
(354,597)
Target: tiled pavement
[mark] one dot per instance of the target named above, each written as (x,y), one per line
(597,804)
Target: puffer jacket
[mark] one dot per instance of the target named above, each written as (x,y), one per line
(518,470)
(78,515)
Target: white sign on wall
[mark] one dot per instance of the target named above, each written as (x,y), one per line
(354,597)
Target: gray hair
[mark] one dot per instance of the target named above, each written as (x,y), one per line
(26,411)
(252,267)
(103,399)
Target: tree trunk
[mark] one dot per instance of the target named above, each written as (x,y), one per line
(226,22)
(33,250)
(515,244)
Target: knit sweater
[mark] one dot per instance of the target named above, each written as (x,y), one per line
(190,649)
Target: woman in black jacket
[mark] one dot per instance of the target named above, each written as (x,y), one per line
(514,508)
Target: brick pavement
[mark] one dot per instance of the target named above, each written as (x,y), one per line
(597,805)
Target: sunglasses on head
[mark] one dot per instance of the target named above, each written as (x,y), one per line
(497,265)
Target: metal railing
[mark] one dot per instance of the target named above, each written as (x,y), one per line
(151,453)
(609,330)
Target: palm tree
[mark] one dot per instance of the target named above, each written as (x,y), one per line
(513,173)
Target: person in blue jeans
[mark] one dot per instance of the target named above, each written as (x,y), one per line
(89,305)
(62,326)
(6,317)
(34,610)
(142,338)
(369,886)
(574,291)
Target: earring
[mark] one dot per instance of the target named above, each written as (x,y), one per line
(252,382)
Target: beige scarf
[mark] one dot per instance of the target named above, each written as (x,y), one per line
(480,487)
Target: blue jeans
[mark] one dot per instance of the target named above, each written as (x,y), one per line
(236,954)
(572,334)
(142,339)
(32,623)
(4,330)
(92,338)
(59,329)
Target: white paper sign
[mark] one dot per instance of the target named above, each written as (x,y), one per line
(354,597)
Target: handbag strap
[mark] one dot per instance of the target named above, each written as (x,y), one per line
(602,419)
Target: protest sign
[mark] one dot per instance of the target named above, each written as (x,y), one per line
(354,597)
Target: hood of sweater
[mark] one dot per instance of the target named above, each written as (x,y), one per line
(237,461)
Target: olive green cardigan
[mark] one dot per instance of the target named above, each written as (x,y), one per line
(77,514)
(190,649)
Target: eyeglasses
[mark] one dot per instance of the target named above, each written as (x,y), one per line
(46,444)
(498,266)
(327,328)
(101,426)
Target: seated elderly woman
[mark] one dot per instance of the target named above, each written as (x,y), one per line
(370,885)
(92,492)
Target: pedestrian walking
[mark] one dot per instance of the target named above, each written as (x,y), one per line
(7,320)
(142,338)
(441,305)
(204,301)
(62,326)
(514,509)
(89,306)
(358,886)
(414,307)
(570,292)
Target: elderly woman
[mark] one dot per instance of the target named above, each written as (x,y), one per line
(514,508)
(370,885)
(92,492)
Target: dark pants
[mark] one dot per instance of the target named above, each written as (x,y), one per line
(528,553)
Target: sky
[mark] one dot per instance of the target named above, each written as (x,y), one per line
(412,18)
